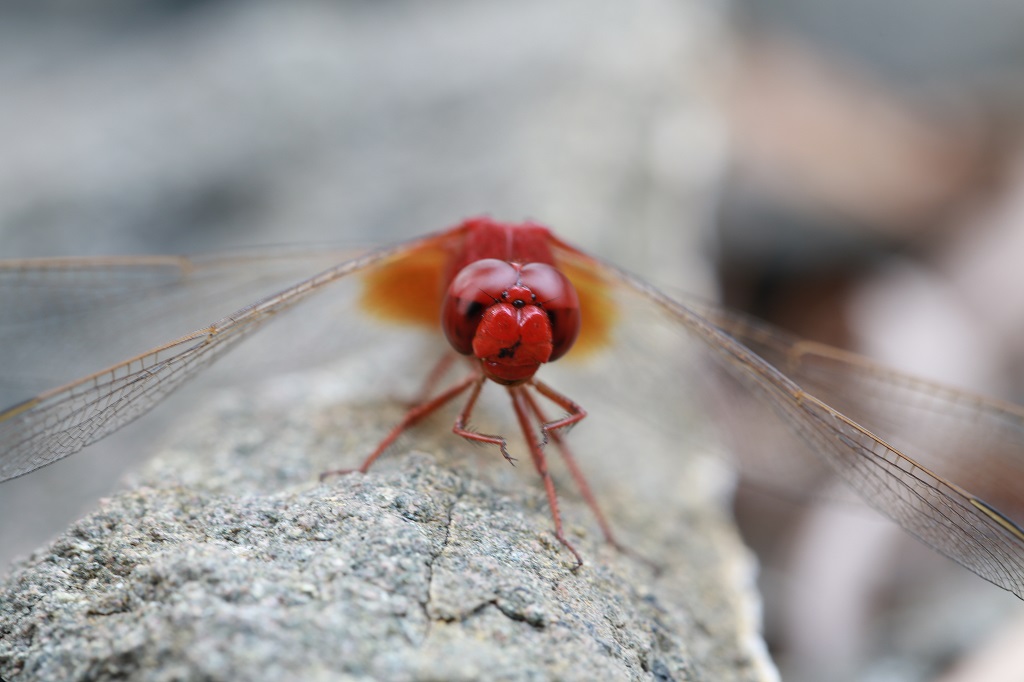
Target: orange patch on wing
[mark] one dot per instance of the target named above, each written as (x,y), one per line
(598,310)
(408,288)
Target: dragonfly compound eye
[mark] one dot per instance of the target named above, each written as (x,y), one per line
(555,295)
(475,288)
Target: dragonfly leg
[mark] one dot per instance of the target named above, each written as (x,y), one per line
(521,405)
(574,412)
(414,415)
(574,469)
(461,427)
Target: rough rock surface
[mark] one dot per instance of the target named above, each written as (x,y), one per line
(228,561)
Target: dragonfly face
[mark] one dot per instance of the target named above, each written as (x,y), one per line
(512,317)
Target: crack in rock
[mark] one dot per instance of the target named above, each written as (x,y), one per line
(433,559)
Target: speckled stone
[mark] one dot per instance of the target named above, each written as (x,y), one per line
(229,561)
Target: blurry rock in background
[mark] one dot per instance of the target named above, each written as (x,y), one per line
(174,127)
(875,201)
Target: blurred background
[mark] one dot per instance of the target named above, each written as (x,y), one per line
(849,171)
(874,201)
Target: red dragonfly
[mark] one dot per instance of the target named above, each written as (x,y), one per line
(511,298)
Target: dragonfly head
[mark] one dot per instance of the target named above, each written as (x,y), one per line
(512,317)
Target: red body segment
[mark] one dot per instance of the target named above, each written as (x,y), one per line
(507,304)
(484,238)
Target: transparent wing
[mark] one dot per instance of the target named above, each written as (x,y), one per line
(977,442)
(899,442)
(72,295)
(62,318)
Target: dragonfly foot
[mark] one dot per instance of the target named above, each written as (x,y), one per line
(579,559)
(504,453)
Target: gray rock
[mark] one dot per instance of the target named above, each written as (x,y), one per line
(227,560)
